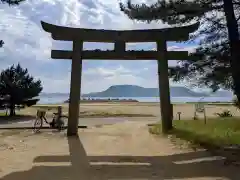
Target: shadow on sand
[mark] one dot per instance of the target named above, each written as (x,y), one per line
(178,166)
(15,119)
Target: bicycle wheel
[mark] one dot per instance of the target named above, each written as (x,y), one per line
(37,125)
(60,125)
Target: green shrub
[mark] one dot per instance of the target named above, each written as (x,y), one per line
(225,113)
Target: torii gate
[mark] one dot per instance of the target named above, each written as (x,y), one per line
(119,38)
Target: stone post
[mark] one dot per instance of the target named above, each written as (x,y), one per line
(165,102)
(75,89)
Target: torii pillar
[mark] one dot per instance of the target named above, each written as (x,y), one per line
(75,88)
(164,88)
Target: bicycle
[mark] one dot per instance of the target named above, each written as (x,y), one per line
(56,123)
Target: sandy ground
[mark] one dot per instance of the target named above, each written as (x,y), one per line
(121,151)
(187,110)
(89,122)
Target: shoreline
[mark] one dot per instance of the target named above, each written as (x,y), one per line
(134,103)
(174,100)
(104,100)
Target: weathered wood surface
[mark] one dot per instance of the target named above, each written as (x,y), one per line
(126,55)
(100,35)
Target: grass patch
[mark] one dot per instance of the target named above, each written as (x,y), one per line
(2,114)
(217,133)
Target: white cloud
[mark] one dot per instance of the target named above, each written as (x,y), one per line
(190,49)
(101,78)
(27,43)
(61,84)
(101,71)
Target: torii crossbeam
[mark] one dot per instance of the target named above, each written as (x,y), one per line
(119,38)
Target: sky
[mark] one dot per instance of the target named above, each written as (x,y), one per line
(28,44)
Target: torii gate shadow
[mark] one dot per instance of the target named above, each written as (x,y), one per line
(152,167)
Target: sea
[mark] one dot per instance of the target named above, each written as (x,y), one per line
(60,98)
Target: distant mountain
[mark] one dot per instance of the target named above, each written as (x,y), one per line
(138,91)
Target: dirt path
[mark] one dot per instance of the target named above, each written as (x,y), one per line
(122,151)
(82,121)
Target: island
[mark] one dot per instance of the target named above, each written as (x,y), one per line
(117,91)
(128,93)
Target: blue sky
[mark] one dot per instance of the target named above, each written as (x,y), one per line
(27,43)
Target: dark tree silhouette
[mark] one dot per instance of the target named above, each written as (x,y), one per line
(19,87)
(12,2)
(218,54)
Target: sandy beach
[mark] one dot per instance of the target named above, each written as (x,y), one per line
(140,108)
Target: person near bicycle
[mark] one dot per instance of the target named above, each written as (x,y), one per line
(57,121)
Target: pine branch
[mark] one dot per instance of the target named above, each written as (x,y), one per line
(12,2)
(1,43)
(236,2)
(172,12)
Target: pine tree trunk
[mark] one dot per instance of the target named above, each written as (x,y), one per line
(233,34)
(12,110)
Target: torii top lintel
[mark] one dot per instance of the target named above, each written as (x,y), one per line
(99,35)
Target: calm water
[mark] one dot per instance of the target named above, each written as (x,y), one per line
(53,99)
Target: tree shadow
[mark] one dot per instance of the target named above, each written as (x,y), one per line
(15,119)
(187,165)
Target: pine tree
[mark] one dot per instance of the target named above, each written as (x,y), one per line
(218,52)
(19,87)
